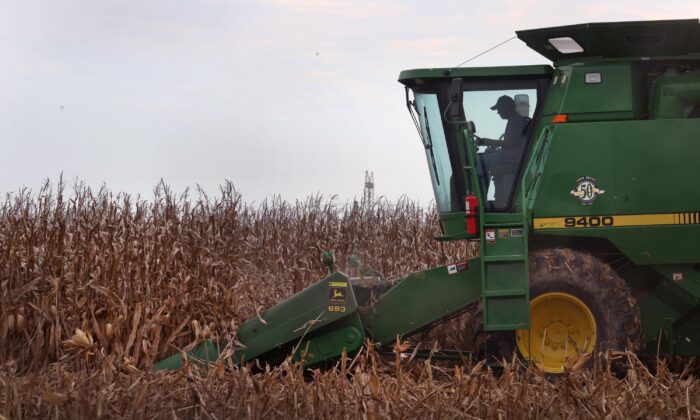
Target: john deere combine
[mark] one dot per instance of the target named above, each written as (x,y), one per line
(582,182)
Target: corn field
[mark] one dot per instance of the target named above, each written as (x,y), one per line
(96,286)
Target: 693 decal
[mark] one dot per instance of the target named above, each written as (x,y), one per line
(589,221)
(336,308)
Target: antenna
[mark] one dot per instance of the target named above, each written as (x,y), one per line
(480,54)
(368,194)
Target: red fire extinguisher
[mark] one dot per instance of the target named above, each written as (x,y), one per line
(471,205)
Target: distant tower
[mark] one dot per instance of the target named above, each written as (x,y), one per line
(368,195)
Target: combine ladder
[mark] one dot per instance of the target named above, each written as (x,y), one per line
(504,272)
(504,251)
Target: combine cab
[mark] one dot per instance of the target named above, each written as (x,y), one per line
(579,180)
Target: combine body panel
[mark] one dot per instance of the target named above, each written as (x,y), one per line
(579,180)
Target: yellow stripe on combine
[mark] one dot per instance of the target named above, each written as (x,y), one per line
(645,219)
(572,222)
(548,223)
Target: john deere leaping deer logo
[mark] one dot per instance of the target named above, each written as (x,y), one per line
(337,292)
(586,190)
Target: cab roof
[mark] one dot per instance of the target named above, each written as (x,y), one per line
(419,76)
(588,41)
(645,39)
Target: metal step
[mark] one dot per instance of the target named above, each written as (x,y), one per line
(496,258)
(501,293)
(503,225)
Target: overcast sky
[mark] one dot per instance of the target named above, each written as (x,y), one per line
(280,97)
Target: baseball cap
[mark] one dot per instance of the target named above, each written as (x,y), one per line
(502,101)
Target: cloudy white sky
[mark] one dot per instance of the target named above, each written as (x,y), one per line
(281,96)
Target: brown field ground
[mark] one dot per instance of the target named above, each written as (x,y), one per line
(95,287)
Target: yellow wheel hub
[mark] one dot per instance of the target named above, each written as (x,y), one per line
(561,327)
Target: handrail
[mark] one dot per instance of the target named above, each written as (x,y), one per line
(531,175)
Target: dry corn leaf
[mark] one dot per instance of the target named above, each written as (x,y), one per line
(54,398)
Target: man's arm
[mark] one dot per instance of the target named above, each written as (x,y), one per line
(480,141)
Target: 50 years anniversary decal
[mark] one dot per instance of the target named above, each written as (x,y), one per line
(586,190)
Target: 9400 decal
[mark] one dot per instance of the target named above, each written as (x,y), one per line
(589,221)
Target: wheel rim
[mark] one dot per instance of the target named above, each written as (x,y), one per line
(561,327)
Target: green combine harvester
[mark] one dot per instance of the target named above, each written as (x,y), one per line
(581,181)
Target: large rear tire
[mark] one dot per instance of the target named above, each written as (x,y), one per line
(578,304)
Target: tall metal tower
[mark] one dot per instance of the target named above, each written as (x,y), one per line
(368,195)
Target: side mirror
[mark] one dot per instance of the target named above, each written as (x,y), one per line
(455,108)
